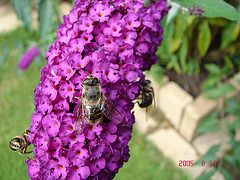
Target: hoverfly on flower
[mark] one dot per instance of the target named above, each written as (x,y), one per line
(20,143)
(94,104)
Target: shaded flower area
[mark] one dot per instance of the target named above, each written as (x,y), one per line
(114,41)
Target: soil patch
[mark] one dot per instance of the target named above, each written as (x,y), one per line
(191,84)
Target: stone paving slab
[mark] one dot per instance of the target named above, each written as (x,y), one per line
(195,171)
(205,141)
(235,80)
(8,19)
(143,123)
(172,101)
(194,113)
(172,145)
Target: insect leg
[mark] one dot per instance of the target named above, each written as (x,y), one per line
(147,114)
(22,154)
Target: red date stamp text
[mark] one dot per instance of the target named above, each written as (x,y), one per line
(190,163)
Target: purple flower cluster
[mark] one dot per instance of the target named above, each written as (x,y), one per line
(28,57)
(112,40)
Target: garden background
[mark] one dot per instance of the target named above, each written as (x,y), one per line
(200,52)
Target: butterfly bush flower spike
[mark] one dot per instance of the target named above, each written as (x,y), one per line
(28,57)
(114,41)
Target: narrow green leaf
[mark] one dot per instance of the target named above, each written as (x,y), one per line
(193,67)
(206,175)
(210,82)
(231,159)
(171,14)
(229,34)
(208,127)
(235,125)
(4,51)
(45,17)
(213,69)
(218,21)
(163,51)
(210,155)
(17,8)
(180,28)
(23,11)
(226,174)
(237,151)
(175,44)
(173,64)
(213,8)
(181,25)
(218,91)
(232,107)
(183,54)
(157,71)
(229,65)
(204,38)
(209,124)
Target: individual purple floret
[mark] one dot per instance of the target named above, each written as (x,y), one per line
(114,41)
(28,57)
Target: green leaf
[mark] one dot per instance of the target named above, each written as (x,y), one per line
(23,11)
(213,69)
(180,28)
(209,156)
(226,174)
(175,43)
(45,17)
(232,107)
(237,151)
(180,25)
(209,124)
(173,64)
(204,38)
(218,91)
(193,67)
(4,51)
(211,81)
(218,22)
(206,175)
(183,54)
(163,51)
(229,34)
(213,8)
(231,159)
(157,72)
(172,14)
(229,65)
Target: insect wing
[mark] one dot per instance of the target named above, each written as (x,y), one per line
(154,100)
(79,112)
(111,112)
(80,116)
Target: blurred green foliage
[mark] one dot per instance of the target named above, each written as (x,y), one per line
(208,45)
(191,42)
